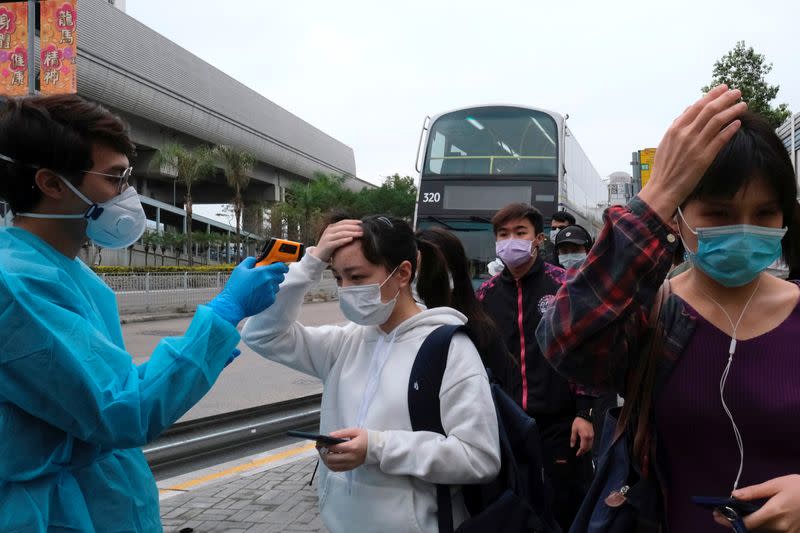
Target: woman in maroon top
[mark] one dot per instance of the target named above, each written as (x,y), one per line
(727,390)
(735,388)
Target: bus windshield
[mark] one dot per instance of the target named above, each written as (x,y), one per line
(493,141)
(477,237)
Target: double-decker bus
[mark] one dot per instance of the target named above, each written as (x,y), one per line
(476,160)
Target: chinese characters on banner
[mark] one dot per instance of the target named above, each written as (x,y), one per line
(59,41)
(14,48)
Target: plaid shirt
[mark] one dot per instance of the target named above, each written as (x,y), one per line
(592,333)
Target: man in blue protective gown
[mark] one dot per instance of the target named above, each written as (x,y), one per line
(74,409)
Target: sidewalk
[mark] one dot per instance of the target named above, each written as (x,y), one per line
(273,500)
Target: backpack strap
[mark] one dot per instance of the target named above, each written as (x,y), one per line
(424,409)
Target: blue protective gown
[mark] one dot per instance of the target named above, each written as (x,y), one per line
(74,409)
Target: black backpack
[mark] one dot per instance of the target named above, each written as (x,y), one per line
(516,500)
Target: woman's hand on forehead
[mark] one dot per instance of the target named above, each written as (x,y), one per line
(335,236)
(689,146)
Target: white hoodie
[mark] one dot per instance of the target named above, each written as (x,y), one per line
(394,489)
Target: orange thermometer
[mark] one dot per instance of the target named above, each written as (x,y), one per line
(280,251)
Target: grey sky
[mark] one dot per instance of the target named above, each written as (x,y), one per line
(368,72)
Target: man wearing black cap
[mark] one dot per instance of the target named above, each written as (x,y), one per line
(572,244)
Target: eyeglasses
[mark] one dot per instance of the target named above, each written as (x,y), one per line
(121,178)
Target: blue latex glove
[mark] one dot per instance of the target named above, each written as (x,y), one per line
(249,290)
(236,353)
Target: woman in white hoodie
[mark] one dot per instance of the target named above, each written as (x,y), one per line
(383,478)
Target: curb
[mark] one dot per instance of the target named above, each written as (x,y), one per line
(133,319)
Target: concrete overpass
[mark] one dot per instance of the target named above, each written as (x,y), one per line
(169,95)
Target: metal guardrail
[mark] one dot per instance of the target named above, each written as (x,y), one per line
(156,292)
(150,292)
(188,441)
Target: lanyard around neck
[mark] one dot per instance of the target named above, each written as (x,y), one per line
(379,357)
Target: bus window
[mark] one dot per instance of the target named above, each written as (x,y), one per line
(502,141)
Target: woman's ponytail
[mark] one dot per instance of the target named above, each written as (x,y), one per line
(433,279)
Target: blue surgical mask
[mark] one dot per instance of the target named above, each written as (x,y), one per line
(735,255)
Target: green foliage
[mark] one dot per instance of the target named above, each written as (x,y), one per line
(237,165)
(174,240)
(396,196)
(744,69)
(303,215)
(189,164)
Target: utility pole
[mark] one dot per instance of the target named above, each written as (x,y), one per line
(31,47)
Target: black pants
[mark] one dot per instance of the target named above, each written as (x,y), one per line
(568,476)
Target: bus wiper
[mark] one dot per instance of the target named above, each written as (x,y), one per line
(451,228)
(442,222)
(480,219)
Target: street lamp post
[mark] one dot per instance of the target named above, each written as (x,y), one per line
(31,47)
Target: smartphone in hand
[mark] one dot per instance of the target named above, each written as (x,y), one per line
(327,440)
(728,506)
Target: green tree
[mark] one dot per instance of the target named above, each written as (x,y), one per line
(189,165)
(175,241)
(149,242)
(745,69)
(201,241)
(237,165)
(307,205)
(396,196)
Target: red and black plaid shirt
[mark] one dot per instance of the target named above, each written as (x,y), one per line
(592,332)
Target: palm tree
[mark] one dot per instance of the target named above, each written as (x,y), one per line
(189,165)
(175,240)
(202,242)
(237,165)
(149,242)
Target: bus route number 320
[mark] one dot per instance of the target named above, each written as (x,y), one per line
(431,197)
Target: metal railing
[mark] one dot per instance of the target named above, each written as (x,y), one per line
(156,292)
(150,292)
(188,441)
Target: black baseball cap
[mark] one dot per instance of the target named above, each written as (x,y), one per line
(575,235)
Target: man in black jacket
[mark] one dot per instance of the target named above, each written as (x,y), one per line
(516,299)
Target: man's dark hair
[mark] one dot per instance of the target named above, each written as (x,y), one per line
(54,132)
(563,216)
(756,151)
(515,211)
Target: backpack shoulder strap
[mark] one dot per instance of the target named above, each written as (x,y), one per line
(424,410)
(426,377)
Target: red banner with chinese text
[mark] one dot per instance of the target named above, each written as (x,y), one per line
(14,48)
(59,41)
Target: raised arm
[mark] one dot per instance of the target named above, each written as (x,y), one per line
(594,327)
(276,335)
